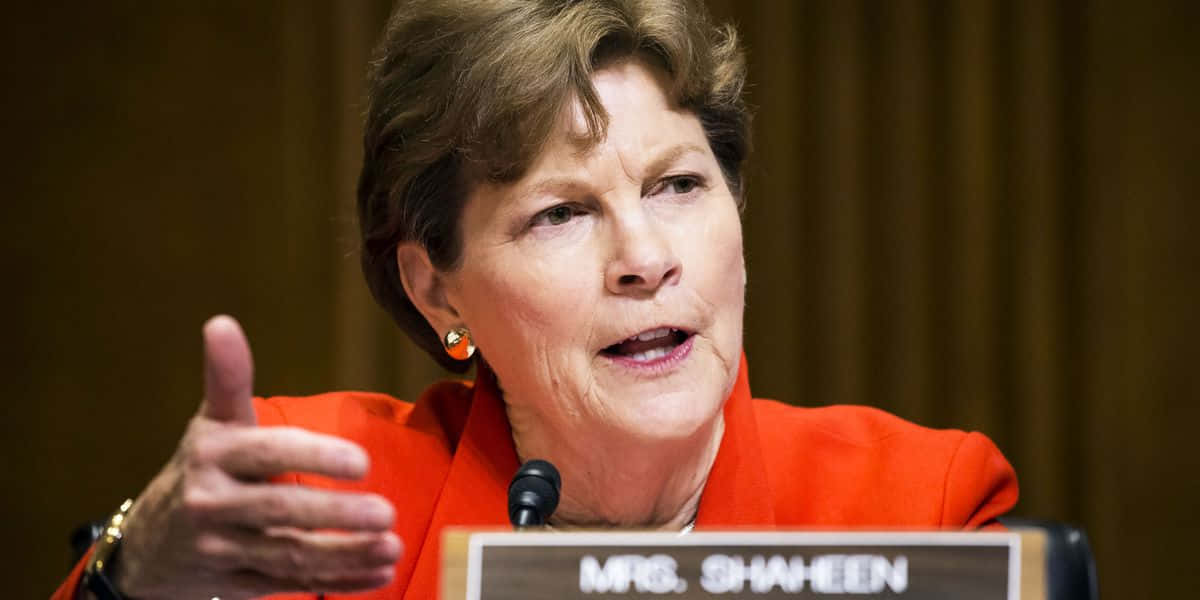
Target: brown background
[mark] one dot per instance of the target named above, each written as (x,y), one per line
(973,214)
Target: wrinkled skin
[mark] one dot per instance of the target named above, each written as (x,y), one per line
(593,245)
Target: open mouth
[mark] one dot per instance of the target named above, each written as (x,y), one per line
(648,345)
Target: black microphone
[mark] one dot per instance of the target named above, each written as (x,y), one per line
(533,494)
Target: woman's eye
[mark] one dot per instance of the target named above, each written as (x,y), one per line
(682,184)
(556,215)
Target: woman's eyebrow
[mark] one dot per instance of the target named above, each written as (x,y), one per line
(656,166)
(556,184)
(669,156)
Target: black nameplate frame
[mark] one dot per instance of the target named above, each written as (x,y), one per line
(761,565)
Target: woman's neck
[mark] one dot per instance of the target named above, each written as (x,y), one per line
(615,481)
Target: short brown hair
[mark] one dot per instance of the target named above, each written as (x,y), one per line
(464,91)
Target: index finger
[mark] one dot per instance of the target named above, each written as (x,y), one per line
(263,452)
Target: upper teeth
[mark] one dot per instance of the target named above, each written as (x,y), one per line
(651,335)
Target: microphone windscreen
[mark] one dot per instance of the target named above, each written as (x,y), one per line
(535,487)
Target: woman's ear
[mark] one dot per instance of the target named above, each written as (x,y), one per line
(426,287)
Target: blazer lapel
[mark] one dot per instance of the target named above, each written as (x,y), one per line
(737,491)
(476,491)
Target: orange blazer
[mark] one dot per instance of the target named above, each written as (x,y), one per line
(447,461)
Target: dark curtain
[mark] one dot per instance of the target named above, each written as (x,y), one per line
(977,215)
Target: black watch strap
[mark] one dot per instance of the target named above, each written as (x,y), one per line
(99,585)
(104,554)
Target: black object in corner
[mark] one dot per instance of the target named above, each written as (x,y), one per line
(1070,568)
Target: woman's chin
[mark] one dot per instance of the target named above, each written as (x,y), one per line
(669,417)
(679,403)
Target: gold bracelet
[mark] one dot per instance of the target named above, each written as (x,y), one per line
(94,577)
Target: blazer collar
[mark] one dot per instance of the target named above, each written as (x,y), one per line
(737,492)
(476,490)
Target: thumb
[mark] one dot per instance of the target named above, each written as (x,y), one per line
(228,372)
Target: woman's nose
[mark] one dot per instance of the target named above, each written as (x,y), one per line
(643,261)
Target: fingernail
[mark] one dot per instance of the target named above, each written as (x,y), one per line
(388,546)
(380,512)
(351,462)
(354,463)
(386,573)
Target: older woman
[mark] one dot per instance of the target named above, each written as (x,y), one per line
(556,184)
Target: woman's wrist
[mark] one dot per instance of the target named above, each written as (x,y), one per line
(105,576)
(117,574)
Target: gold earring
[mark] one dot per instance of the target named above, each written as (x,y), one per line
(458,343)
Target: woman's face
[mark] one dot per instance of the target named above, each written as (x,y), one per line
(606,286)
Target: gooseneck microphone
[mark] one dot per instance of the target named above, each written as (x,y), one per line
(533,494)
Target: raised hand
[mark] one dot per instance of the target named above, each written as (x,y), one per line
(210,524)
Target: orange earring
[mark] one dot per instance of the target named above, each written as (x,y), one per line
(458,343)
